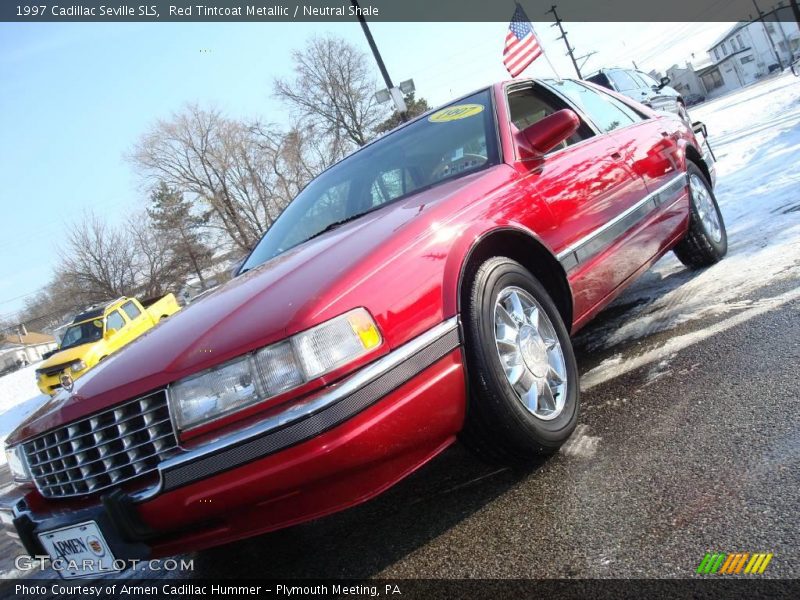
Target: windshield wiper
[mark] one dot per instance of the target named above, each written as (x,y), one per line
(336,224)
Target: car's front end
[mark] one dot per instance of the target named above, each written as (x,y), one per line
(132,474)
(65,365)
(326,371)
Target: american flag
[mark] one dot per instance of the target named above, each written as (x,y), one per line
(522,47)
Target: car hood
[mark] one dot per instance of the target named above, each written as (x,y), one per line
(67,356)
(264,305)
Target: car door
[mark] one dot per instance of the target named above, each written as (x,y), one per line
(586,184)
(650,146)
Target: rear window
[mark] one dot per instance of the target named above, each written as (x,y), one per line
(130,309)
(600,79)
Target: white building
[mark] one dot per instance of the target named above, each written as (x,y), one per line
(23,348)
(686,81)
(750,51)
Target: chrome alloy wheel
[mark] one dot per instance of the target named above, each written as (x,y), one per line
(530,353)
(705,208)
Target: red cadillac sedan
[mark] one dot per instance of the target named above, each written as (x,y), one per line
(422,290)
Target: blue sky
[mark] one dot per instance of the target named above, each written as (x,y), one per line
(76,97)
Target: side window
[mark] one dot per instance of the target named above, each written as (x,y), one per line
(606,112)
(622,81)
(532,104)
(115,321)
(130,309)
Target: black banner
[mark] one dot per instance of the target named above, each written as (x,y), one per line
(422,589)
(389,10)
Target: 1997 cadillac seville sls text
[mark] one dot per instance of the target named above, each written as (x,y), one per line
(422,289)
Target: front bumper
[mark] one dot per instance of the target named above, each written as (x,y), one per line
(333,451)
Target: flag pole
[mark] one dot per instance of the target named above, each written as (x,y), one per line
(541,45)
(547,58)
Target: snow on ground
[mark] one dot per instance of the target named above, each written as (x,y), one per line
(19,397)
(755,135)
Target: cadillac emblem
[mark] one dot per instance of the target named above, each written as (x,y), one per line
(66,381)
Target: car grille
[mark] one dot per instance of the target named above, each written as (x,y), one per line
(55,369)
(104,450)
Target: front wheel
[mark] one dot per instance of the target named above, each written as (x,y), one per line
(523,374)
(706,242)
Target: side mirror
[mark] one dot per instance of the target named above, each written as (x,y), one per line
(544,135)
(664,82)
(109,334)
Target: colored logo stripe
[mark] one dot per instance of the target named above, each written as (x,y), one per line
(733,564)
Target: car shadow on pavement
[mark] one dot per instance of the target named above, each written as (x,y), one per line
(365,540)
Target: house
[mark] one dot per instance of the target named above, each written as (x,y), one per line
(749,51)
(686,81)
(23,348)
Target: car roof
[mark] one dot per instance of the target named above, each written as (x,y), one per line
(95,312)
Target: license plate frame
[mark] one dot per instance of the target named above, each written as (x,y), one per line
(81,544)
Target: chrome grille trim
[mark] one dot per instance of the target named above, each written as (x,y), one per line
(103,450)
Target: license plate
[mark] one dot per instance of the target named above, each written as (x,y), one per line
(80,550)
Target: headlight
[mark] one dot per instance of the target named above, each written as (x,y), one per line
(78,365)
(17,464)
(272,370)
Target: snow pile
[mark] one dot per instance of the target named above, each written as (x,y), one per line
(19,397)
(755,135)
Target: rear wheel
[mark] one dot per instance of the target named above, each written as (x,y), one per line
(706,242)
(524,378)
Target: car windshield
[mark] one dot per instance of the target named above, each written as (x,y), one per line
(450,142)
(82,333)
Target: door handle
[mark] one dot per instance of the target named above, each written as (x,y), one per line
(664,134)
(616,155)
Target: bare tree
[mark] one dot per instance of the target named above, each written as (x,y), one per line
(193,152)
(156,267)
(334,89)
(98,259)
(232,168)
(243,175)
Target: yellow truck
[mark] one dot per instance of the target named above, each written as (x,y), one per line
(98,332)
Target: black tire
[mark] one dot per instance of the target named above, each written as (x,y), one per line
(498,427)
(699,249)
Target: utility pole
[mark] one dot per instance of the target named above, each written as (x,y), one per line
(766,32)
(563,36)
(400,105)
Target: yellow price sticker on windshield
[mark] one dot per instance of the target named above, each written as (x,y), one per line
(454,113)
